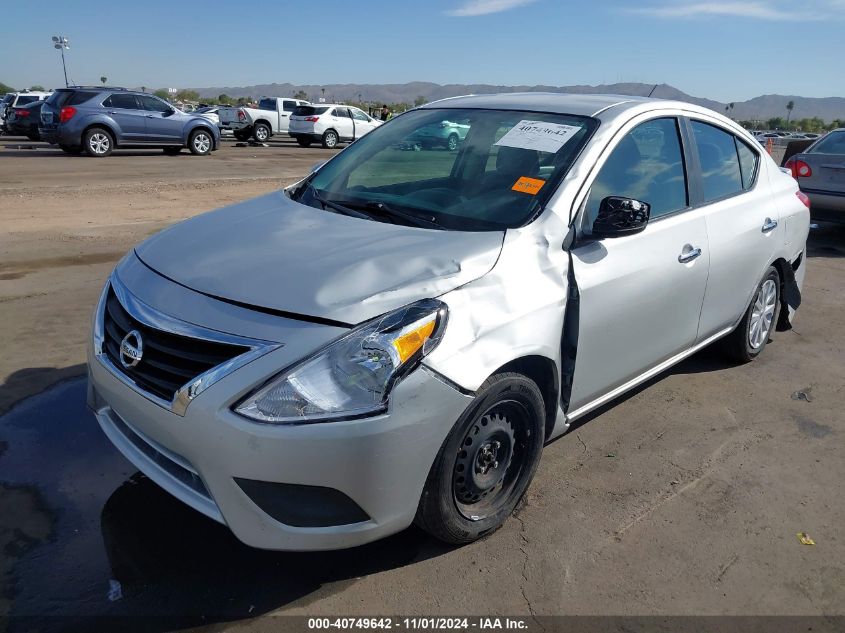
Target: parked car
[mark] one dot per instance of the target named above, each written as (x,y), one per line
(270,117)
(19,99)
(98,119)
(820,172)
(330,124)
(448,134)
(765,136)
(24,120)
(394,338)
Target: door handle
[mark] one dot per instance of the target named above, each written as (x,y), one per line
(769,224)
(687,256)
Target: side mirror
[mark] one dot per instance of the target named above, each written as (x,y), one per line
(618,217)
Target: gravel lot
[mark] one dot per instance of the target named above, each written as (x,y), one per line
(682,498)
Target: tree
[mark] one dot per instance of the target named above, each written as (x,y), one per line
(224,99)
(301,94)
(789,108)
(419,101)
(103,80)
(187,95)
(161,93)
(143,88)
(37,87)
(4,88)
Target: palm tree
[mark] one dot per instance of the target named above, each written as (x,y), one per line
(104,79)
(789,107)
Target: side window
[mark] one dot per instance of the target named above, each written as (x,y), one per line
(267,104)
(647,165)
(358,115)
(720,173)
(341,112)
(121,102)
(288,106)
(153,105)
(747,163)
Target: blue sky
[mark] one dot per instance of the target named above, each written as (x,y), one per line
(726,50)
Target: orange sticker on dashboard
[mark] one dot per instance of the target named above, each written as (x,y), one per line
(528,185)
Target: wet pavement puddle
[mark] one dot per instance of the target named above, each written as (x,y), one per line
(84,534)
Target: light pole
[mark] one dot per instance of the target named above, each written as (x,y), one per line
(62,44)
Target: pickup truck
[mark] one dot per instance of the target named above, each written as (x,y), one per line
(270,117)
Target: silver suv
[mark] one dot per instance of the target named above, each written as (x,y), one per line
(394,338)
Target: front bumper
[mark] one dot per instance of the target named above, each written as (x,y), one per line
(379,463)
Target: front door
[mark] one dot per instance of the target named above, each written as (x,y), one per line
(129,116)
(164,123)
(640,295)
(363,123)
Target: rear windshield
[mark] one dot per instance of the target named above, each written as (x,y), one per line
(309,110)
(23,100)
(69,97)
(833,143)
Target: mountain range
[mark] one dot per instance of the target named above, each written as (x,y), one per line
(758,108)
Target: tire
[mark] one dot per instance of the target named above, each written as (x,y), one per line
(242,135)
(97,142)
(749,338)
(261,132)
(171,151)
(303,142)
(330,139)
(452,142)
(70,149)
(486,462)
(200,142)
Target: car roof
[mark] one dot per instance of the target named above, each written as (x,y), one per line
(554,102)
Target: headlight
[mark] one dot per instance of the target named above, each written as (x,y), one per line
(352,376)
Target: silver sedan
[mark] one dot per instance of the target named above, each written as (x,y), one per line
(394,338)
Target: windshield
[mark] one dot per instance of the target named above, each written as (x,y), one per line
(465,169)
(833,143)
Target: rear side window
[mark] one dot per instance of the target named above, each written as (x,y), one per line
(747,163)
(341,112)
(121,102)
(833,143)
(647,165)
(80,96)
(267,104)
(309,110)
(717,154)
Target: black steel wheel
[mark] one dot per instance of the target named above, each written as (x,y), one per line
(486,462)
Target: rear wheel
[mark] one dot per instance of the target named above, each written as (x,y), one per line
(97,142)
(486,462)
(200,143)
(261,132)
(303,142)
(330,139)
(749,338)
(452,142)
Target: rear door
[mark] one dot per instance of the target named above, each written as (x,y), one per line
(164,123)
(640,295)
(742,222)
(288,106)
(129,116)
(341,121)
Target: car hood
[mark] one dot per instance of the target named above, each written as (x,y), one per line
(274,253)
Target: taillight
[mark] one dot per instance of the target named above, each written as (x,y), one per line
(66,114)
(22,113)
(799,168)
(803,198)
(312,119)
(241,115)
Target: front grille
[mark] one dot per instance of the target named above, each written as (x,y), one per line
(169,361)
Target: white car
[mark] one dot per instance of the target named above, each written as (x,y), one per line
(329,124)
(17,99)
(269,118)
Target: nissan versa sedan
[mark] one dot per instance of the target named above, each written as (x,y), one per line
(393,339)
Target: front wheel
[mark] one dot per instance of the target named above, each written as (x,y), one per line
(749,338)
(486,462)
(97,142)
(452,142)
(330,139)
(261,132)
(200,143)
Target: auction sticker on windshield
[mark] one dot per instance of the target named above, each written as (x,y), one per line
(528,185)
(538,135)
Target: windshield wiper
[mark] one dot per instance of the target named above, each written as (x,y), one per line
(335,206)
(411,218)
